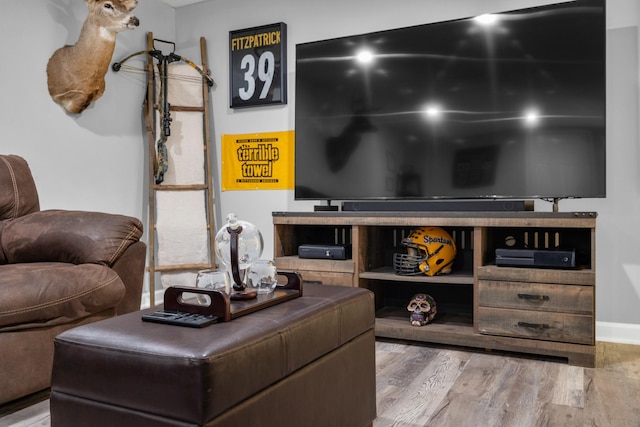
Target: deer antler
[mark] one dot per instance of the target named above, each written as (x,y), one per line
(75,74)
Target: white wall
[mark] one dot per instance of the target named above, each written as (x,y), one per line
(91,161)
(97,161)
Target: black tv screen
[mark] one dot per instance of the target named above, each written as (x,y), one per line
(508,105)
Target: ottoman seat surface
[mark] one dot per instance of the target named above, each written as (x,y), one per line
(194,375)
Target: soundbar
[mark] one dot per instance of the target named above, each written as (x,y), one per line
(440,205)
(536,258)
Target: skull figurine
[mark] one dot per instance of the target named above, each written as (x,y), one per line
(422,308)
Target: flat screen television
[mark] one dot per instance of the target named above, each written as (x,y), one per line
(507,105)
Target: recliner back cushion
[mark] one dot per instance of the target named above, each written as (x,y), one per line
(18,193)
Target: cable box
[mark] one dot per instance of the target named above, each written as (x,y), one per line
(553,258)
(324,251)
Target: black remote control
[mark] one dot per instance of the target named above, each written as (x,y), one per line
(179,318)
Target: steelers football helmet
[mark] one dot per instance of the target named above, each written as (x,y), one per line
(429,250)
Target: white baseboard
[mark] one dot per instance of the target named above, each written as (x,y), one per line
(623,333)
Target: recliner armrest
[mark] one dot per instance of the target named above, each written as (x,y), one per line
(69,236)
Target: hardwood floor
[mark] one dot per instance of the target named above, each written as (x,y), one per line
(31,411)
(420,385)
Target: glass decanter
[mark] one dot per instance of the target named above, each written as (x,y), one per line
(238,244)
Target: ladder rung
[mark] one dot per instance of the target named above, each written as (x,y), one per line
(182,108)
(185,108)
(181,187)
(180,267)
(155,226)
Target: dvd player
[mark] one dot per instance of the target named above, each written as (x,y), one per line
(324,251)
(555,258)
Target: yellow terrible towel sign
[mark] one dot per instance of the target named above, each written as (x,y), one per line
(258,161)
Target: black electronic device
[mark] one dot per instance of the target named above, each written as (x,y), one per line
(541,258)
(193,320)
(440,205)
(503,106)
(190,307)
(324,251)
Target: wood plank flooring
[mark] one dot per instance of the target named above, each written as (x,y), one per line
(421,385)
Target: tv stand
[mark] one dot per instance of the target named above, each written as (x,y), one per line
(544,311)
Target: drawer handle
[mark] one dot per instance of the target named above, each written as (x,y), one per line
(534,297)
(534,325)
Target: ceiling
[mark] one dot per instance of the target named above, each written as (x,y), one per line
(179,3)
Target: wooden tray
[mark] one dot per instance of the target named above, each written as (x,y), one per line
(223,307)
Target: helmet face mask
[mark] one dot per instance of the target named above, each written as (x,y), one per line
(430,251)
(407,264)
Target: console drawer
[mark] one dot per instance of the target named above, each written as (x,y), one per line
(324,271)
(573,299)
(542,325)
(327,278)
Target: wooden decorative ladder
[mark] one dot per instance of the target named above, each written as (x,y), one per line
(150,108)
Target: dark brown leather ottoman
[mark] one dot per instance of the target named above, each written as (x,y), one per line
(305,362)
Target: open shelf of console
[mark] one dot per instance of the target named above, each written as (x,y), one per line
(545,311)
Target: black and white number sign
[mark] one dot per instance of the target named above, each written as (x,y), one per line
(257,66)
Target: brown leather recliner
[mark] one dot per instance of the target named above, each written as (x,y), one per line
(58,269)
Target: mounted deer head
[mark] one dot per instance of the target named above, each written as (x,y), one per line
(75,74)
